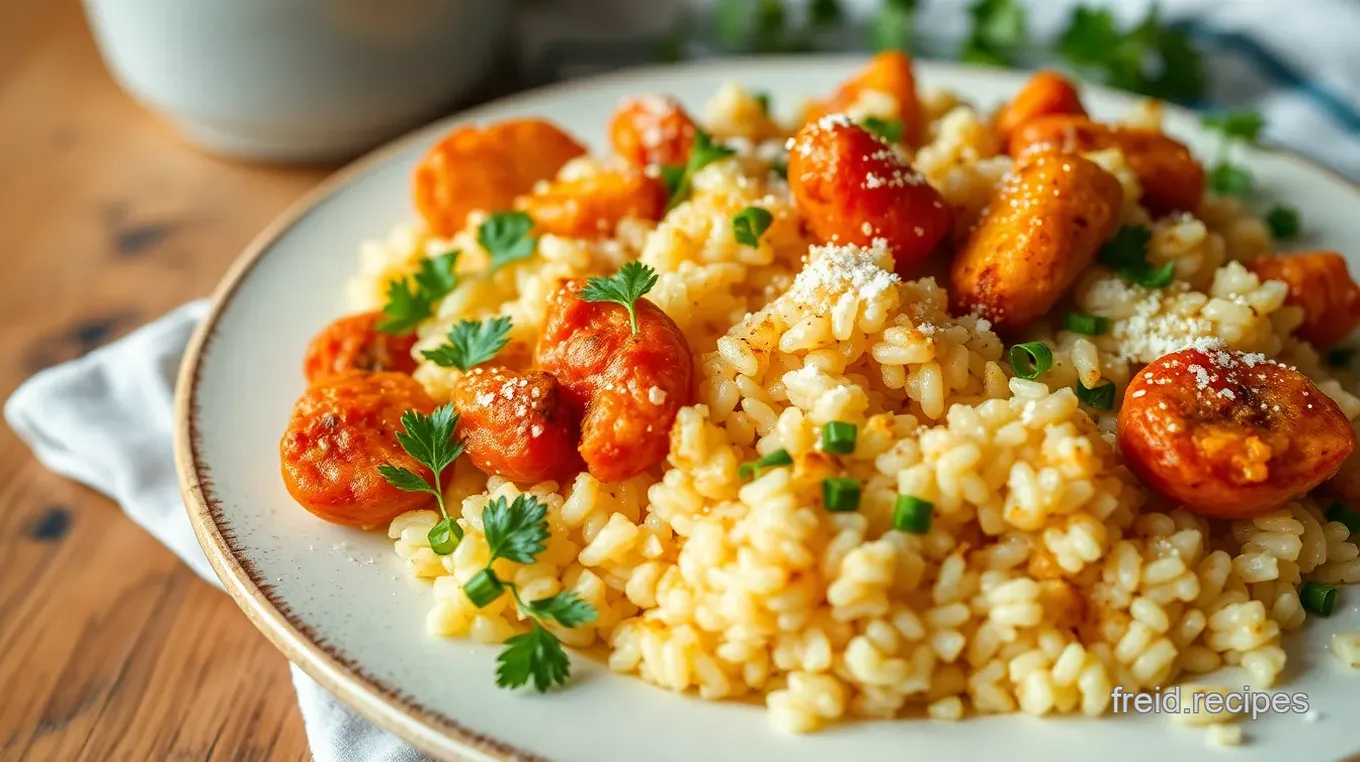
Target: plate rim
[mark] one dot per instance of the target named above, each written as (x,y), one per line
(386,705)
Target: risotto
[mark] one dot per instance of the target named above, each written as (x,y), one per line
(909,458)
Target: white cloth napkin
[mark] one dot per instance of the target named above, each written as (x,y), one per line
(105,419)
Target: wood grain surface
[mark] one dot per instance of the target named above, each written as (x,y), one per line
(110,648)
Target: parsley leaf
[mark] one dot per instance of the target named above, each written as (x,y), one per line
(411,300)
(998,32)
(749,224)
(505,236)
(624,287)
(1227,179)
(889,130)
(566,608)
(1126,254)
(429,439)
(702,153)
(1148,58)
(537,655)
(516,530)
(892,27)
(1242,124)
(1283,222)
(471,343)
(1126,248)
(824,12)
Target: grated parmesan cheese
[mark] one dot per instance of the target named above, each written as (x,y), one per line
(835,270)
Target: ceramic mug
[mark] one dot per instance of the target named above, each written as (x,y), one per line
(297,80)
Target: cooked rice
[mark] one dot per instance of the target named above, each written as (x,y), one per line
(1049,576)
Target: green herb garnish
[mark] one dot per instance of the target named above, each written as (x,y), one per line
(1228,179)
(838,438)
(1242,124)
(471,343)
(1283,222)
(429,440)
(624,287)
(1100,396)
(1149,58)
(751,469)
(840,494)
(1090,325)
(892,26)
(998,32)
(1343,515)
(505,236)
(763,100)
(411,300)
(912,514)
(1318,598)
(887,130)
(517,531)
(1126,254)
(702,153)
(750,224)
(1031,359)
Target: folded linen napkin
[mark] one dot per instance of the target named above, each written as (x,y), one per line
(105,419)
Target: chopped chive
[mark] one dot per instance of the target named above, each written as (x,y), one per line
(887,130)
(1091,325)
(1151,277)
(780,167)
(1031,359)
(1343,515)
(445,536)
(483,588)
(1283,222)
(763,100)
(751,469)
(912,514)
(840,494)
(1318,598)
(1100,396)
(1340,357)
(838,438)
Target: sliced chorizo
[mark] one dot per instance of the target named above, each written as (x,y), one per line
(1228,434)
(1320,284)
(355,343)
(516,425)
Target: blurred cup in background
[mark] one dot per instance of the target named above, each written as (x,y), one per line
(298,80)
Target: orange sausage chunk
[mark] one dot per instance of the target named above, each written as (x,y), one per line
(486,167)
(651,129)
(591,207)
(853,188)
(1045,94)
(1044,225)
(355,343)
(1321,285)
(889,73)
(1171,178)
(516,425)
(1230,435)
(342,429)
(628,388)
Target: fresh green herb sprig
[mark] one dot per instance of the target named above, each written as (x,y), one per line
(887,130)
(752,469)
(1126,254)
(411,300)
(471,343)
(624,287)
(429,440)
(750,224)
(701,153)
(505,236)
(516,531)
(1283,222)
(998,32)
(1148,58)
(1227,178)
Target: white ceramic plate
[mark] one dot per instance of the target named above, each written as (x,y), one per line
(337,602)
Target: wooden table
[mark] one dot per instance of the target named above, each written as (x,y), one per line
(110,648)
